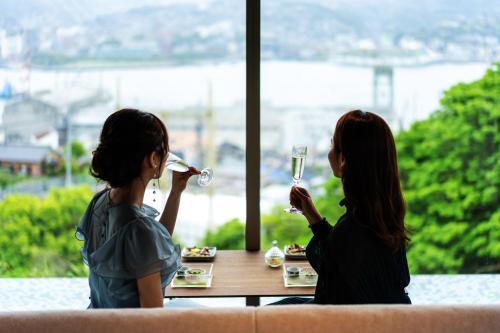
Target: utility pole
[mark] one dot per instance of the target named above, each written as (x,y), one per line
(162,182)
(67,120)
(210,156)
(118,93)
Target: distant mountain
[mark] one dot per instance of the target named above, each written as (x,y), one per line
(215,29)
(363,16)
(70,12)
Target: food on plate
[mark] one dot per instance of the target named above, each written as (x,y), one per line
(182,271)
(194,274)
(296,249)
(195,271)
(308,273)
(197,252)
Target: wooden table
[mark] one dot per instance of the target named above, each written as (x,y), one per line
(243,274)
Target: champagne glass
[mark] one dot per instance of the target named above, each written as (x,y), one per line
(299,153)
(176,163)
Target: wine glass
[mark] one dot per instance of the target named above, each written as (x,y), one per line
(176,163)
(299,153)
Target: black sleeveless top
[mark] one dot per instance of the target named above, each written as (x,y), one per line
(354,266)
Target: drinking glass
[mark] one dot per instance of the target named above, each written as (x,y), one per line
(176,163)
(299,153)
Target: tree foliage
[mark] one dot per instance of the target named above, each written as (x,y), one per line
(8,179)
(38,234)
(450,171)
(229,236)
(79,164)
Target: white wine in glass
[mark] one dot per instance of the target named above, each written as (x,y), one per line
(176,163)
(299,154)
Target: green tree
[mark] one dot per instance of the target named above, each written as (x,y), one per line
(277,225)
(229,236)
(450,171)
(284,227)
(7,178)
(77,149)
(79,166)
(328,203)
(38,234)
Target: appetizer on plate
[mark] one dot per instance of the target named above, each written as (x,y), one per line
(295,251)
(199,253)
(193,276)
(299,275)
(309,274)
(196,251)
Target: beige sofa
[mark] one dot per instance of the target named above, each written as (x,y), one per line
(274,319)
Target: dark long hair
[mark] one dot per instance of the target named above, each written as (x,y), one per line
(370,175)
(127,137)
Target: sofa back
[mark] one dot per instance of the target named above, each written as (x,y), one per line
(380,319)
(272,319)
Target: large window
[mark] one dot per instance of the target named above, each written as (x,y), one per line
(402,60)
(66,66)
(237,92)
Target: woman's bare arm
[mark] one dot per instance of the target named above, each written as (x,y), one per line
(169,215)
(150,294)
(179,183)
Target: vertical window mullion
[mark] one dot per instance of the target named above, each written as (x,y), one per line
(252,111)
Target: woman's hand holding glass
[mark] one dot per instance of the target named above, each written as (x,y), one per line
(301,199)
(180,179)
(175,163)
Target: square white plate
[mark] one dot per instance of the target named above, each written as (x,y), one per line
(299,281)
(212,250)
(194,281)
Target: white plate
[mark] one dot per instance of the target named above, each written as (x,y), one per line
(292,255)
(211,249)
(183,281)
(299,281)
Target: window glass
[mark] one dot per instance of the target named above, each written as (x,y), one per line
(428,68)
(65,66)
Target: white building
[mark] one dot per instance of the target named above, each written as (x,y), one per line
(27,120)
(10,45)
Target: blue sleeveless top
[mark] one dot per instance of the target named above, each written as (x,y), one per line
(122,243)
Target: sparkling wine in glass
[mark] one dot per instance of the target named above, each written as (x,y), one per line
(299,153)
(176,163)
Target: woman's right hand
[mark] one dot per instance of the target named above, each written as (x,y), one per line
(301,199)
(180,179)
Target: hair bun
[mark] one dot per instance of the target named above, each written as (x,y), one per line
(127,137)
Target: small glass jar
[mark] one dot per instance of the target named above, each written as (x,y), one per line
(274,257)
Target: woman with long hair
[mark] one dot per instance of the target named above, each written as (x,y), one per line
(131,256)
(362,258)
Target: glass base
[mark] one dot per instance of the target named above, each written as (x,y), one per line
(292,210)
(205,177)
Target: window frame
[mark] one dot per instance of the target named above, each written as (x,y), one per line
(252,114)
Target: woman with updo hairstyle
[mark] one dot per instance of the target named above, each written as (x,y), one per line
(130,255)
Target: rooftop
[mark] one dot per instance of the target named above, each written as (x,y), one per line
(23,154)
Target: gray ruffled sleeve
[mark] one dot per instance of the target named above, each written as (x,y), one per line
(140,248)
(149,249)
